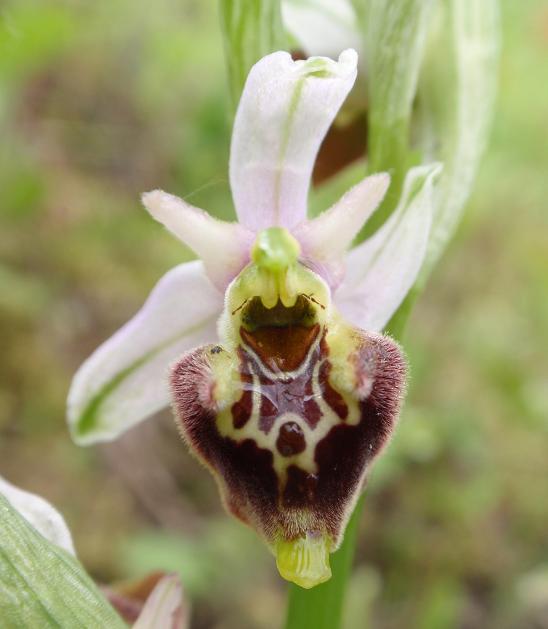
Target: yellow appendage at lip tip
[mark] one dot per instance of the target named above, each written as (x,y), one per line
(304,561)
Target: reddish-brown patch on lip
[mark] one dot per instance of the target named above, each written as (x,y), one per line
(291,439)
(333,398)
(300,489)
(269,408)
(284,348)
(241,410)
(312,412)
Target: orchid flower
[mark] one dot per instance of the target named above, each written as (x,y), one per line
(280,380)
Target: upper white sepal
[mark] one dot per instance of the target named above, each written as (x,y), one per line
(284,113)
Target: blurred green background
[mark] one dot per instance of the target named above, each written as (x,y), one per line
(101,101)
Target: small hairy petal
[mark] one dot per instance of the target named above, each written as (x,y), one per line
(284,113)
(322,27)
(223,247)
(290,448)
(38,512)
(380,271)
(165,607)
(125,379)
(324,240)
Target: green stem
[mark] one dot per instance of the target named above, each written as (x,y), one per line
(251,29)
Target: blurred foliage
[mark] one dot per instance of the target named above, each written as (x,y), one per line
(101,101)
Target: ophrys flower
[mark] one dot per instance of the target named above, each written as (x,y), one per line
(291,399)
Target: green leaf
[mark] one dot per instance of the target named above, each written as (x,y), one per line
(41,585)
(40,514)
(394,34)
(456,102)
(251,29)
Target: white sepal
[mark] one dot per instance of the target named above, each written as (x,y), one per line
(380,271)
(125,379)
(284,113)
